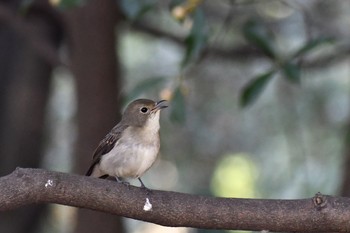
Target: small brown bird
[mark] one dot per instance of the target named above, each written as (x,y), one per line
(132,146)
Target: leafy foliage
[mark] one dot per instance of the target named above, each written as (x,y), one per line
(255,31)
(196,40)
(254,88)
(134,9)
(292,72)
(178,110)
(311,45)
(259,36)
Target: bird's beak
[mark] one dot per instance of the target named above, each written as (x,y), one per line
(160,105)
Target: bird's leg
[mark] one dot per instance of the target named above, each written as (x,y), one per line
(121,181)
(143,186)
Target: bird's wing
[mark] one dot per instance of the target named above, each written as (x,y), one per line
(106,145)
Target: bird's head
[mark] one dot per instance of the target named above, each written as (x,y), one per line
(142,112)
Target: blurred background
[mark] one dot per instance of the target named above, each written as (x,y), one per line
(259,95)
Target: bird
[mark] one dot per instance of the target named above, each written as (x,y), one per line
(132,146)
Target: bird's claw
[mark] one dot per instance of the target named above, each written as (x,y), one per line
(148,191)
(126,183)
(122,182)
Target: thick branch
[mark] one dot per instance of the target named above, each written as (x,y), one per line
(321,213)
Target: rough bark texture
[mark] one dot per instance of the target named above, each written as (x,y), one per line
(92,41)
(345,188)
(318,214)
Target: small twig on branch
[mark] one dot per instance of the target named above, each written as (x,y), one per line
(321,213)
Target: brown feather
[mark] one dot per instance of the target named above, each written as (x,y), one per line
(106,145)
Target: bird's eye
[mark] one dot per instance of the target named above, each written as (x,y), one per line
(144,109)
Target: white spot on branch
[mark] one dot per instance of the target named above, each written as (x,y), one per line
(148,205)
(49,183)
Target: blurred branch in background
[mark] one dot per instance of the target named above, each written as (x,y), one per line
(248,51)
(236,52)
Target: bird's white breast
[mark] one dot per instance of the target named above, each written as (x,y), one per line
(135,152)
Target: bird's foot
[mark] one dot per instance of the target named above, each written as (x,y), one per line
(126,183)
(122,182)
(148,191)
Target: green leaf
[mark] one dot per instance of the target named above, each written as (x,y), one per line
(254,88)
(134,9)
(144,86)
(292,72)
(178,111)
(258,35)
(311,45)
(67,4)
(197,39)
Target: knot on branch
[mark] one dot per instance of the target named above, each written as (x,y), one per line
(19,172)
(319,200)
(22,173)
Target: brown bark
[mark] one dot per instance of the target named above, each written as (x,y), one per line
(92,41)
(345,188)
(318,214)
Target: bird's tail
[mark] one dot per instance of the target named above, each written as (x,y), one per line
(91,169)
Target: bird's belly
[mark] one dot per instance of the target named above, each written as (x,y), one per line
(129,160)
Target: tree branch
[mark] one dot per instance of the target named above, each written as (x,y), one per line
(28,186)
(243,52)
